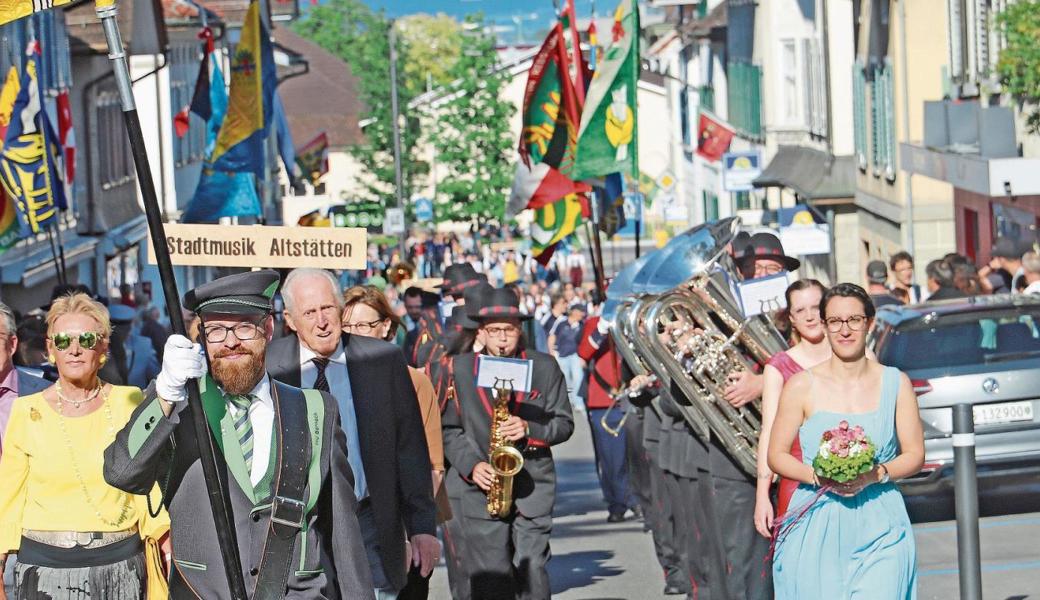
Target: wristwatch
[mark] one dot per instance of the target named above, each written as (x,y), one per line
(884,478)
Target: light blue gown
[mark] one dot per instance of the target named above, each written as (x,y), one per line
(859,548)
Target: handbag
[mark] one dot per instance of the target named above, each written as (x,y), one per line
(157,587)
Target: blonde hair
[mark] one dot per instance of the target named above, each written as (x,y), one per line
(79,304)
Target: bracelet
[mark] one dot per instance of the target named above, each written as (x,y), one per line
(765,476)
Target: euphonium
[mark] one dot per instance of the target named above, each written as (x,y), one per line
(506,461)
(701,337)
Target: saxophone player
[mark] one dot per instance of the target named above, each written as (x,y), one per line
(538,420)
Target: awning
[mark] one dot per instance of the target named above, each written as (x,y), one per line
(31,263)
(811,173)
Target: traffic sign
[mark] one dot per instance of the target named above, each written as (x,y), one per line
(393,223)
(423,209)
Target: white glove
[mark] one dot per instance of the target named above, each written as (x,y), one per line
(603,326)
(182,360)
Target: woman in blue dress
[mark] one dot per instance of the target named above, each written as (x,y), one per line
(854,542)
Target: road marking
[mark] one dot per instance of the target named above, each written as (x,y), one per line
(1022,566)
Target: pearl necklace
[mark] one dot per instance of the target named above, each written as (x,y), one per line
(76,404)
(125,511)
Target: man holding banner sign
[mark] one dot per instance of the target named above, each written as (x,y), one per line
(540,418)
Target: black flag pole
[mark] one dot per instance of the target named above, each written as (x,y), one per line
(107,11)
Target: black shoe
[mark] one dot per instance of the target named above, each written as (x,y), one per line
(616,517)
(673,590)
(637,512)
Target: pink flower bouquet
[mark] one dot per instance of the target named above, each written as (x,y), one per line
(845,453)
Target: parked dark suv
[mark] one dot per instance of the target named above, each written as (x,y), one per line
(985,351)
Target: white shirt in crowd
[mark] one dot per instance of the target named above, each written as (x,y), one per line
(261,418)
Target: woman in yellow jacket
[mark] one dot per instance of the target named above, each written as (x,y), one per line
(75,536)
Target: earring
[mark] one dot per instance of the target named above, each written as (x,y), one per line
(103,359)
(51,359)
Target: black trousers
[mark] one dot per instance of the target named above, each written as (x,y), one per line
(664,529)
(749,576)
(455,555)
(507,558)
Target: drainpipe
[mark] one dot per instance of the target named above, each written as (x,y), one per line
(907,175)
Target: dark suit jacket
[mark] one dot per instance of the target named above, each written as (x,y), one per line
(153,447)
(393,442)
(467,435)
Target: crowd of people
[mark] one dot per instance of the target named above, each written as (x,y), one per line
(349,427)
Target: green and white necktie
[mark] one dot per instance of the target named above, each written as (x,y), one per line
(243,427)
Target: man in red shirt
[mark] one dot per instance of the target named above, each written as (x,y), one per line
(605,379)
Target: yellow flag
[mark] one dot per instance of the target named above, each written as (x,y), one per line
(11,10)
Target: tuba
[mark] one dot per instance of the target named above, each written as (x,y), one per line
(700,336)
(505,459)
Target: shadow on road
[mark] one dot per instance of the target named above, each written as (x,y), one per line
(580,569)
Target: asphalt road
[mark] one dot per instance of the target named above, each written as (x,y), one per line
(594,560)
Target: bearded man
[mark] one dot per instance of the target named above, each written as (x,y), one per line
(292,501)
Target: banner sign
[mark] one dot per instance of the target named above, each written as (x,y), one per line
(265,246)
(739,169)
(803,233)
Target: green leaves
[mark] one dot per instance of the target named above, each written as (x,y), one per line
(1019,63)
(469,131)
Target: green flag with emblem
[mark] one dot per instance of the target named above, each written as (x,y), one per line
(608,135)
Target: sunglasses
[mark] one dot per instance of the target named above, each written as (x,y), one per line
(87,340)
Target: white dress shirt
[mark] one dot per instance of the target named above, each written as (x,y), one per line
(261,417)
(339,386)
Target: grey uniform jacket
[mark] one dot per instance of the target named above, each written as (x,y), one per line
(467,434)
(329,558)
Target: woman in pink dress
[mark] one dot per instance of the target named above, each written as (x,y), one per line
(809,348)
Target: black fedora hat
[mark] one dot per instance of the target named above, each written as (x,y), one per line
(458,277)
(739,245)
(768,246)
(475,296)
(500,303)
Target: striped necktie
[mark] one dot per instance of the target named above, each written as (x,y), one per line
(243,427)
(321,382)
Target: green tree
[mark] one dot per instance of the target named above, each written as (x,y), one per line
(472,139)
(359,36)
(433,44)
(1019,63)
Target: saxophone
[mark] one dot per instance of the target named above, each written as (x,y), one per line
(505,459)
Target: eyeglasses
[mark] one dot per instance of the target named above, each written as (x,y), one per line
(216,334)
(855,323)
(362,328)
(87,340)
(506,332)
(770,268)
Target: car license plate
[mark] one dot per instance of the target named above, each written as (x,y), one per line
(1007,412)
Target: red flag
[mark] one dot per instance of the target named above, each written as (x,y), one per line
(570,22)
(67,137)
(713,137)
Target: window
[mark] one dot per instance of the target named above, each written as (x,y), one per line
(184,69)
(789,80)
(816,84)
(116,164)
(882,122)
(745,98)
(711,206)
(971,233)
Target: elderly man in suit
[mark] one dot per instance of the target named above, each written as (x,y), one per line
(506,555)
(291,500)
(386,443)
